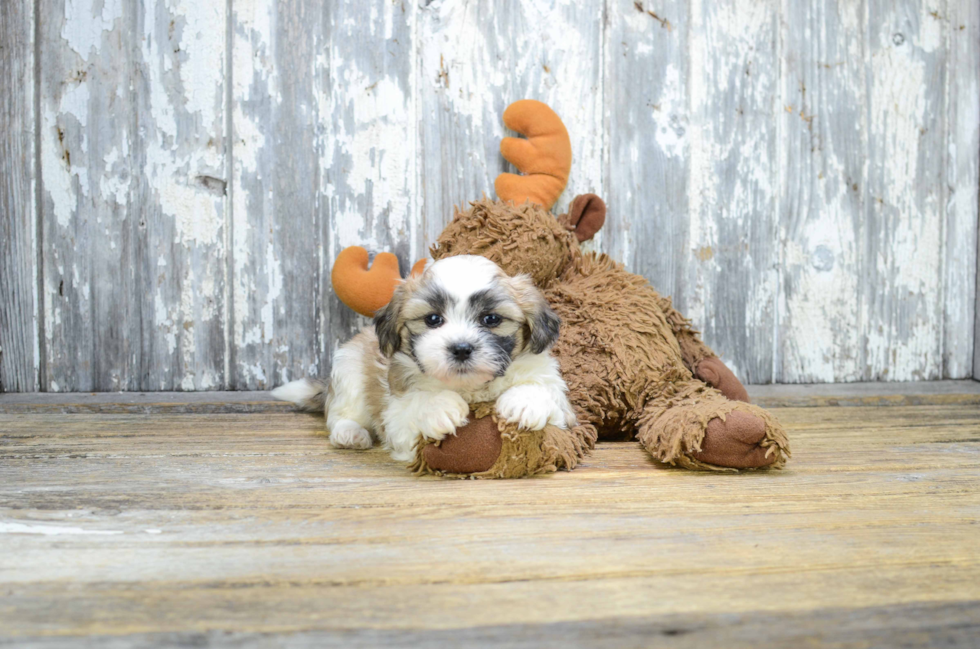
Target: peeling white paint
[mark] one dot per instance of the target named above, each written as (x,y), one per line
(115,185)
(202,47)
(874,181)
(84,25)
(671,115)
(182,136)
(255,82)
(963,141)
(61,159)
(165,321)
(56,172)
(373,156)
(904,96)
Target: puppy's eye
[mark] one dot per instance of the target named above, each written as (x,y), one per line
(490,320)
(433,320)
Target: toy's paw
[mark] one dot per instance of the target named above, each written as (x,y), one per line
(735,442)
(443,414)
(531,407)
(716,374)
(347,433)
(474,448)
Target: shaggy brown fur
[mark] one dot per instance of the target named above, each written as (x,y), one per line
(630,360)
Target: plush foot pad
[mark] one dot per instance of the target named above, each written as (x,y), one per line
(695,426)
(474,448)
(716,374)
(735,442)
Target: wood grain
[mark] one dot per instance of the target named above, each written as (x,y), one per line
(277,264)
(734,85)
(181,195)
(19,350)
(823,119)
(89,224)
(962,392)
(647,169)
(800,176)
(962,222)
(901,309)
(128,525)
(367,123)
(132,212)
(943,624)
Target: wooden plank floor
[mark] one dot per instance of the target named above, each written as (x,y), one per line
(247,529)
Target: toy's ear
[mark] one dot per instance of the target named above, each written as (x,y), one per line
(544,158)
(585,217)
(362,289)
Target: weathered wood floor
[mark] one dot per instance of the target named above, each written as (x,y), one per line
(247,529)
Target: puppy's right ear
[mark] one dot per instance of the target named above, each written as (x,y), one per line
(543,323)
(386,324)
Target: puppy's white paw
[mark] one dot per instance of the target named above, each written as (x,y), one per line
(347,433)
(403,455)
(531,407)
(442,414)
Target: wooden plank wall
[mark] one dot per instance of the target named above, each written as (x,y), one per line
(19,348)
(177,177)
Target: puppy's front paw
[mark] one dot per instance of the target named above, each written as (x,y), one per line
(442,414)
(347,433)
(531,407)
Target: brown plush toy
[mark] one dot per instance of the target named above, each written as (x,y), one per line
(633,364)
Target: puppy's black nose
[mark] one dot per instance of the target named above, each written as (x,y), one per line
(461,351)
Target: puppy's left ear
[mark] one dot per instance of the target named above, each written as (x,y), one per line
(542,321)
(544,331)
(386,324)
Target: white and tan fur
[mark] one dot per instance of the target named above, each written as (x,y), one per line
(412,376)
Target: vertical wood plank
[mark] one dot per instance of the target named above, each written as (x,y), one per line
(963,185)
(90,215)
(367,144)
(902,308)
(731,285)
(19,352)
(133,199)
(824,166)
(181,193)
(276,240)
(478,57)
(646,94)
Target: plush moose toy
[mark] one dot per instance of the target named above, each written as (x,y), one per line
(634,366)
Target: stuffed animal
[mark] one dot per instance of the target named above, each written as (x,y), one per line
(634,366)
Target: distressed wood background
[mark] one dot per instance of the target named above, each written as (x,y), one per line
(177,176)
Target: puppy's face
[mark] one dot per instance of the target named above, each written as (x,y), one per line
(464,320)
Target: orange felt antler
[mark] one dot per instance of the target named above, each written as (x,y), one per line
(545,157)
(366,290)
(361,289)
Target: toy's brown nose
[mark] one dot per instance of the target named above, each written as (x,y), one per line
(461,351)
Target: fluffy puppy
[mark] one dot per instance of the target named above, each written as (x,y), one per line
(463,332)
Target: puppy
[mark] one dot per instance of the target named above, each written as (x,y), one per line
(463,332)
